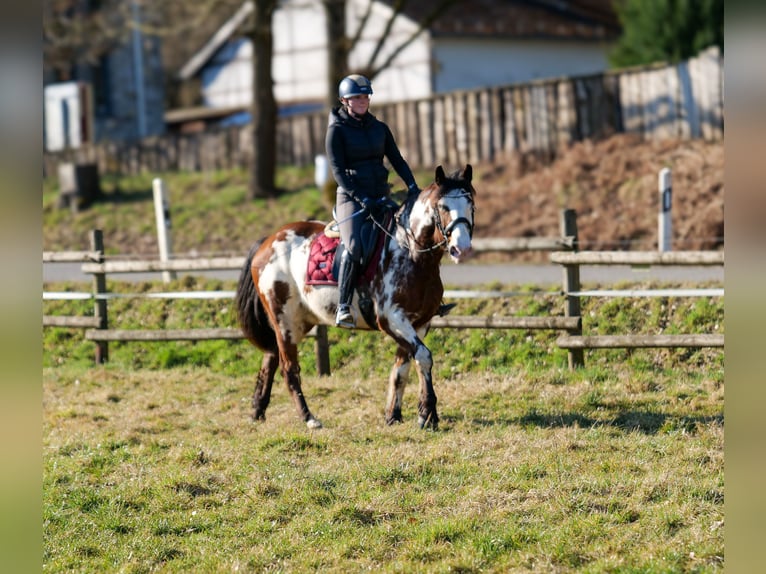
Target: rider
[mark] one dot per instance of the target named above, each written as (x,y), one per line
(356,144)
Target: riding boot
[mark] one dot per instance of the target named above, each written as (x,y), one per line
(346,279)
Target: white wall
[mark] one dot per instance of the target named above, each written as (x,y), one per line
(300,59)
(465,64)
(410,77)
(300,51)
(227,79)
(298,68)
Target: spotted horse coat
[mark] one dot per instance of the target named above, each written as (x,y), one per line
(277,308)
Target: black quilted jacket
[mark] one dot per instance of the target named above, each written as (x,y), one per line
(355,150)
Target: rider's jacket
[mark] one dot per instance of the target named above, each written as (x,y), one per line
(355,151)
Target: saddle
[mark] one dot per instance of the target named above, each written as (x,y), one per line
(324,259)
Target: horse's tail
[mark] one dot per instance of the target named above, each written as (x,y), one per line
(250,312)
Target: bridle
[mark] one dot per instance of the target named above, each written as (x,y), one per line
(445,231)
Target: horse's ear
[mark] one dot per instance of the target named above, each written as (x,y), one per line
(440,177)
(468,172)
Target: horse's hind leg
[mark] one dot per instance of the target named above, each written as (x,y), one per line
(292,372)
(397,380)
(262,394)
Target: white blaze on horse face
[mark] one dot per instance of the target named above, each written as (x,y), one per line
(460,236)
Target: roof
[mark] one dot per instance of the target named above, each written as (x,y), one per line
(550,19)
(561,19)
(225,32)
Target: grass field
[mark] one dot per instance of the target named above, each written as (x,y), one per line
(151,462)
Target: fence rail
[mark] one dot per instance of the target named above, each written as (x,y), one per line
(97,326)
(574,341)
(694,258)
(638,341)
(659,101)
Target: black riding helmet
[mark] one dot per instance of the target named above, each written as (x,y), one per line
(354,85)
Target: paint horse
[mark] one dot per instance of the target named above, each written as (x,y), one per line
(277,307)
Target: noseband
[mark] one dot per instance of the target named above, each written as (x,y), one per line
(447,231)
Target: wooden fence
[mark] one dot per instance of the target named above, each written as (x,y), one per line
(661,101)
(576,342)
(97,327)
(94,263)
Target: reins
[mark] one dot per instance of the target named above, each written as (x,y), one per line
(409,234)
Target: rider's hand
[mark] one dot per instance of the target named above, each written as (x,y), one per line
(388,202)
(413,189)
(364,201)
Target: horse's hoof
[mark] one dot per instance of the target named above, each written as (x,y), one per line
(428,423)
(313,424)
(393,421)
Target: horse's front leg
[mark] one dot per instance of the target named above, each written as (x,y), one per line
(400,373)
(427,416)
(262,393)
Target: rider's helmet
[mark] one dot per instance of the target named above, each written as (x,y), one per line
(354,85)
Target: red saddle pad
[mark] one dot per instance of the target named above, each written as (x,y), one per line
(322,255)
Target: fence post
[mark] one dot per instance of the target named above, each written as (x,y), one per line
(571,280)
(664,221)
(99,287)
(162,215)
(322,350)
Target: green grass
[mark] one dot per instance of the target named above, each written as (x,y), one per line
(210,212)
(152,463)
(163,470)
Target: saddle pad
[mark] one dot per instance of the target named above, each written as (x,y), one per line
(322,255)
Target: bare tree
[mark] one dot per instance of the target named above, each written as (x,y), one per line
(264,106)
(339,45)
(73,34)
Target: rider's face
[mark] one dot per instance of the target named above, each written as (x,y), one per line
(358,105)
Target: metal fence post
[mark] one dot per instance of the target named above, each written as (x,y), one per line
(162,216)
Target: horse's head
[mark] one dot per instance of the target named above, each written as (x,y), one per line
(450,200)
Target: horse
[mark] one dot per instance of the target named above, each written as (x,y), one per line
(277,307)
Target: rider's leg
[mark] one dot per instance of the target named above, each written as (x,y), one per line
(347,278)
(349,225)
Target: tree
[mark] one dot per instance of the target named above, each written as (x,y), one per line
(666,30)
(340,45)
(264,106)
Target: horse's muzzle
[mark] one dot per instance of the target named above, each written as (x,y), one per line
(457,254)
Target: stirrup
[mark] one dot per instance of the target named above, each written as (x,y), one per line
(344,318)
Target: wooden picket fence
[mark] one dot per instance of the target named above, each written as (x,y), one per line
(471,126)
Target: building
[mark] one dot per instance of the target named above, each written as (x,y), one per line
(117,96)
(474,43)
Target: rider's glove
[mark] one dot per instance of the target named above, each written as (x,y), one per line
(364,201)
(413,189)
